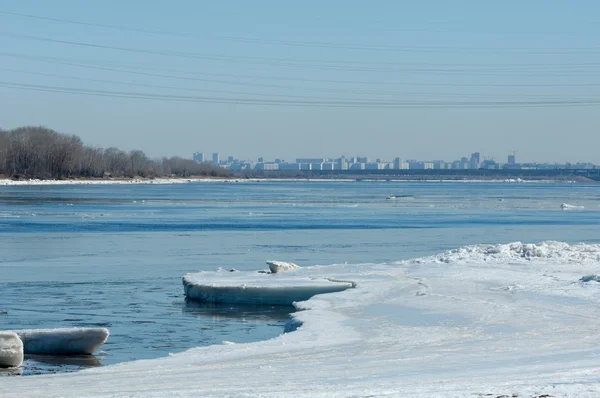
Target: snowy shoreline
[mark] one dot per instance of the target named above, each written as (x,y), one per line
(487,319)
(133,181)
(166,181)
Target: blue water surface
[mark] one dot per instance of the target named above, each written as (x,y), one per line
(113,255)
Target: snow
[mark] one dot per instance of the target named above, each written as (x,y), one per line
(485,320)
(566,206)
(258,287)
(281,266)
(67,341)
(11,350)
(107,181)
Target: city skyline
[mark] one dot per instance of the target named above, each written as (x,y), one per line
(472,162)
(431,79)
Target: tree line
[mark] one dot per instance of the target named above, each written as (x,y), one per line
(39,152)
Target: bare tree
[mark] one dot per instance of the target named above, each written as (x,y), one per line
(39,152)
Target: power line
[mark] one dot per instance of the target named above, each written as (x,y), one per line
(294,43)
(84,64)
(211,57)
(308,103)
(288,96)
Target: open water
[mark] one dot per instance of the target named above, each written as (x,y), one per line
(114,255)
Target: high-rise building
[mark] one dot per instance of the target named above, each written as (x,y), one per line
(198,157)
(512,159)
(475,160)
(343,163)
(215,158)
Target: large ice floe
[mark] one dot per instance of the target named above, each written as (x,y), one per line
(278,287)
(490,320)
(11,350)
(65,341)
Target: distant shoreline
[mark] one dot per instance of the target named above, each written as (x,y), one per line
(178,180)
(110,181)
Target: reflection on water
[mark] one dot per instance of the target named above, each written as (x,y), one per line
(242,312)
(84,361)
(49,364)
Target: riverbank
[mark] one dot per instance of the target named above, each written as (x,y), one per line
(187,180)
(112,181)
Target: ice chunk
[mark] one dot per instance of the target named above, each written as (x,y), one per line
(590,278)
(69,341)
(11,350)
(566,206)
(257,288)
(281,266)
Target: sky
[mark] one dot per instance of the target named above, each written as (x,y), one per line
(418,80)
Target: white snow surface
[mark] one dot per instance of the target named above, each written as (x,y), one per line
(258,287)
(498,320)
(108,181)
(11,350)
(281,266)
(63,341)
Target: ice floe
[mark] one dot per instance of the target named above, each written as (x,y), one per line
(566,206)
(65,341)
(275,288)
(11,350)
(493,320)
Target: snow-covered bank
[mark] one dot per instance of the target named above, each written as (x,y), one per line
(110,181)
(501,319)
(66,341)
(163,181)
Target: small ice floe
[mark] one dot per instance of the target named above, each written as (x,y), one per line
(590,278)
(258,287)
(392,197)
(281,266)
(566,206)
(11,350)
(68,341)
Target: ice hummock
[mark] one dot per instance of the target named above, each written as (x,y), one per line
(65,341)
(11,350)
(281,266)
(275,288)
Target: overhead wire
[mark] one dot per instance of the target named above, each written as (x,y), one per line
(310,103)
(329,45)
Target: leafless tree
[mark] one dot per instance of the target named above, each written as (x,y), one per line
(39,152)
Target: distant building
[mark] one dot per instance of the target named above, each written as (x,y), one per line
(512,159)
(289,166)
(400,164)
(229,159)
(475,161)
(311,160)
(269,166)
(215,158)
(375,166)
(198,157)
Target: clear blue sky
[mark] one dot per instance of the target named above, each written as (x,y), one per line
(303,58)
